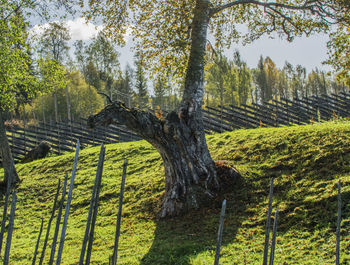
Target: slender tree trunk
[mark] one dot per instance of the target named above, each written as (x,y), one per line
(221,100)
(42,108)
(68,104)
(10,172)
(252,95)
(55,104)
(190,176)
(90,101)
(111,93)
(24,116)
(232,97)
(17,110)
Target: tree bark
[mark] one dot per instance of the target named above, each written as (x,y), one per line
(190,176)
(10,173)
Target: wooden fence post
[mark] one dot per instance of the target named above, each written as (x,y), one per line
(94,216)
(37,242)
(93,209)
(268,221)
(50,221)
(220,231)
(119,216)
(3,222)
(337,261)
(69,199)
(273,244)
(58,220)
(10,229)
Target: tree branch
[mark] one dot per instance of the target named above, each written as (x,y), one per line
(108,97)
(306,6)
(14,11)
(143,123)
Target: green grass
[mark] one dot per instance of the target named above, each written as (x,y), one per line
(306,161)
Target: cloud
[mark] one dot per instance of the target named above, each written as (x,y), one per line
(127,34)
(78,28)
(37,30)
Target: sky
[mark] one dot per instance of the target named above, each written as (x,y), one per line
(308,52)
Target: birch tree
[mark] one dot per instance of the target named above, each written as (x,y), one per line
(173,36)
(54,44)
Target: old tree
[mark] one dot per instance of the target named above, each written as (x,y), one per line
(172,36)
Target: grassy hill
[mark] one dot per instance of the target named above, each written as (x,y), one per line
(307,162)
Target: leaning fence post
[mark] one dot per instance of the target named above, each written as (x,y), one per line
(49,223)
(10,229)
(93,202)
(119,216)
(94,216)
(37,242)
(69,199)
(268,221)
(58,220)
(3,222)
(221,228)
(337,260)
(88,222)
(274,233)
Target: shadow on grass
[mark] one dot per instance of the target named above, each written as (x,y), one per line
(178,239)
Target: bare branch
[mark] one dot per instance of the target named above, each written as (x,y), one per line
(14,11)
(306,6)
(108,97)
(326,11)
(285,19)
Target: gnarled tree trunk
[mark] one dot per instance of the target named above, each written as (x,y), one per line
(179,137)
(189,169)
(10,173)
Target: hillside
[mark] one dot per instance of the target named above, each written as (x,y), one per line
(306,161)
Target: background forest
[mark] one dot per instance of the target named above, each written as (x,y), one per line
(75,76)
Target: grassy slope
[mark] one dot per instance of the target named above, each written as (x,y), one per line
(306,161)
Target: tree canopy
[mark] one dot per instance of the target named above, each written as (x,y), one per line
(162,29)
(53,41)
(15,77)
(339,44)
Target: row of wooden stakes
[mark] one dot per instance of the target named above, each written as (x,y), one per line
(92,215)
